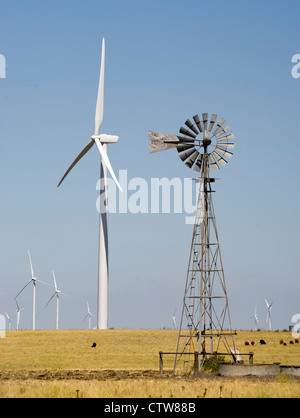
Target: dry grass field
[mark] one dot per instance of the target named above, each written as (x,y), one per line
(125,364)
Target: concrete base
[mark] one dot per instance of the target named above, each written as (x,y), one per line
(290,370)
(262,370)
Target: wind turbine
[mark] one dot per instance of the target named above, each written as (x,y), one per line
(174,320)
(101,142)
(89,315)
(255,316)
(9,320)
(33,280)
(18,315)
(57,293)
(269,306)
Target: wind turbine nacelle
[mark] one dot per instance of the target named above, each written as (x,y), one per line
(106,139)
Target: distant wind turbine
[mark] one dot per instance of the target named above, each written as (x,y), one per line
(174,320)
(89,315)
(255,316)
(269,307)
(57,293)
(18,315)
(9,321)
(33,280)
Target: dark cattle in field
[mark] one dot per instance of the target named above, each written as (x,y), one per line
(94,345)
(252,343)
(247,343)
(262,342)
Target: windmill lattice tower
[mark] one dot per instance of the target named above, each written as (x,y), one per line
(205,326)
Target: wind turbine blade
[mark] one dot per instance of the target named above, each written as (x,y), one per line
(61,293)
(55,284)
(107,162)
(31,268)
(50,299)
(23,289)
(83,152)
(88,306)
(100,98)
(40,281)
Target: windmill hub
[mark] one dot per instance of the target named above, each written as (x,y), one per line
(206,139)
(106,139)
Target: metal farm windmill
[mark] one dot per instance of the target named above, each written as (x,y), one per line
(101,142)
(205,327)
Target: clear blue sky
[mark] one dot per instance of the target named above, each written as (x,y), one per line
(165,61)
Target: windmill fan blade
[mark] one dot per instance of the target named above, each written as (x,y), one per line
(83,152)
(181,148)
(190,125)
(198,123)
(226,146)
(192,160)
(223,131)
(226,138)
(198,164)
(187,133)
(107,162)
(219,125)
(212,121)
(225,153)
(158,141)
(100,98)
(205,119)
(213,163)
(187,154)
(220,160)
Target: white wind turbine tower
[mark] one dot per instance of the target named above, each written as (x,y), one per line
(33,280)
(89,315)
(57,293)
(18,315)
(101,142)
(9,320)
(269,307)
(255,316)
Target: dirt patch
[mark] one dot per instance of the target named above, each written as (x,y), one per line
(108,375)
(77,374)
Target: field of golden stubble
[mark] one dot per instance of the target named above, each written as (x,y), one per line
(125,363)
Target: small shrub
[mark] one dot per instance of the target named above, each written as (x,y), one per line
(211,364)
